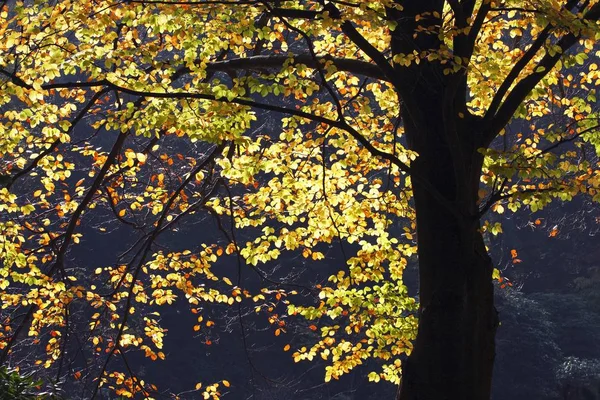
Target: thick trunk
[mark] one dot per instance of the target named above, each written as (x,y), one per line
(454,351)
(453,354)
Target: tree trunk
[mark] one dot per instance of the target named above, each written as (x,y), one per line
(454,351)
(453,354)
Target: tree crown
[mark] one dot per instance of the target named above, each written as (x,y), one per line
(281,124)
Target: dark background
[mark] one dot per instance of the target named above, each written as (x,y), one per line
(548,344)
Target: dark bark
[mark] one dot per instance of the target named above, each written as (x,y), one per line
(453,354)
(454,350)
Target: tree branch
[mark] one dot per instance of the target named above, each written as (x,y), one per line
(520,91)
(385,67)
(483,11)
(516,70)
(340,124)
(356,67)
(54,144)
(363,44)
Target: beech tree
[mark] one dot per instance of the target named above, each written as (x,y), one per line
(393,128)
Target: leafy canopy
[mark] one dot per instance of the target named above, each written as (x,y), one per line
(278,120)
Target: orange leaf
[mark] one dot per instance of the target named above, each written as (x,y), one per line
(312,328)
(286,347)
(513,253)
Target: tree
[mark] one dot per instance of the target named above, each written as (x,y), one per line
(425,115)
